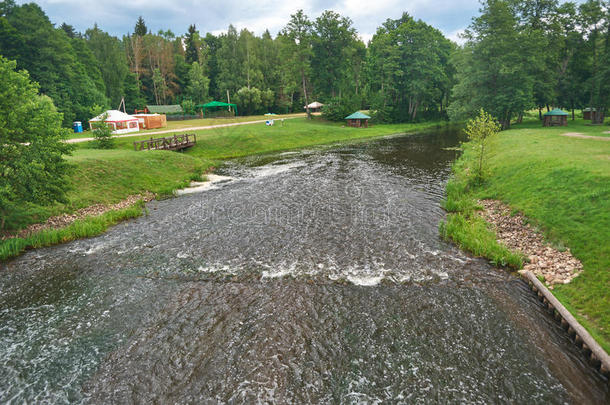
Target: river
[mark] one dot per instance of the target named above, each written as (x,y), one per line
(315,276)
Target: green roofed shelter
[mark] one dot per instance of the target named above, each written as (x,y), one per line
(164,109)
(215,104)
(358,120)
(555,117)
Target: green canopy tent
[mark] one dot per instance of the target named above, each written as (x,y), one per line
(215,104)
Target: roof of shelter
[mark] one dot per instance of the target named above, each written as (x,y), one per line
(165,109)
(114,116)
(357,116)
(556,111)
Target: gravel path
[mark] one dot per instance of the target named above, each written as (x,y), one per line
(583,136)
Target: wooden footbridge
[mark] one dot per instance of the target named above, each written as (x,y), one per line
(176,142)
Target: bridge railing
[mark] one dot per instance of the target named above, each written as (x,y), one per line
(175,142)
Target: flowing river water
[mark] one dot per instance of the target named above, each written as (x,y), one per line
(307,277)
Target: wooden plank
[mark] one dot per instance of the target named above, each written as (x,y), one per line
(598,354)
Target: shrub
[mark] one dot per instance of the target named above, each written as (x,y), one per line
(479,130)
(103,134)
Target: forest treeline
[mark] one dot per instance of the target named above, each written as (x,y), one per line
(517,55)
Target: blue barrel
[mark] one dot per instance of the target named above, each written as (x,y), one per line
(77,126)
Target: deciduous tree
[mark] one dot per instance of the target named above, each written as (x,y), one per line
(32,166)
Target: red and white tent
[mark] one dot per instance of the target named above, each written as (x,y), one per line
(118,121)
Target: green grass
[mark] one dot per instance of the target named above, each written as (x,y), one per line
(85,228)
(231,142)
(109,176)
(562,185)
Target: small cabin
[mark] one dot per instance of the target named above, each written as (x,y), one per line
(358,120)
(589,113)
(554,118)
(151,121)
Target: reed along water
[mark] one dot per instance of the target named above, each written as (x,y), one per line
(305,277)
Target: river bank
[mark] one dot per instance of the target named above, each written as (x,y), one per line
(560,184)
(315,276)
(108,178)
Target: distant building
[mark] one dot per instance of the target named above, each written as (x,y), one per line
(150,121)
(358,120)
(589,113)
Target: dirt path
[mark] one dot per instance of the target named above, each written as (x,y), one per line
(583,136)
(169,131)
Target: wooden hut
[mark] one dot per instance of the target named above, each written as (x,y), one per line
(589,113)
(358,120)
(150,121)
(554,118)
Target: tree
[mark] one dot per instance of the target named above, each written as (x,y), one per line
(492,68)
(69,30)
(298,51)
(191,45)
(32,167)
(408,69)
(140,29)
(103,134)
(199,84)
(209,49)
(479,130)
(333,40)
(249,99)
(595,20)
(112,62)
(47,53)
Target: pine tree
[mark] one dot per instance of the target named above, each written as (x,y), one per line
(192,50)
(140,28)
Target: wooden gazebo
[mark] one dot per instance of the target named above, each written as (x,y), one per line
(358,120)
(554,118)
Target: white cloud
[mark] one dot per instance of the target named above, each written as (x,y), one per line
(118,16)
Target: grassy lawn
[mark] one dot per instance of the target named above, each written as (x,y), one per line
(563,185)
(109,176)
(230,142)
(203,122)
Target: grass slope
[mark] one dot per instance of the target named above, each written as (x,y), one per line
(562,184)
(108,176)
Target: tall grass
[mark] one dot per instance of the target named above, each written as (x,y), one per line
(85,228)
(464,225)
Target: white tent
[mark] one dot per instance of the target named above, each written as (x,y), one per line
(314,105)
(118,121)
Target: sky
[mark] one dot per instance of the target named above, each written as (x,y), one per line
(118,17)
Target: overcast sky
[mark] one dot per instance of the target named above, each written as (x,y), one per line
(118,16)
